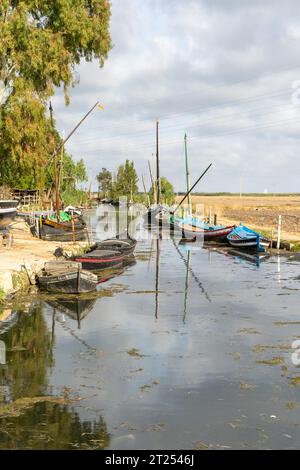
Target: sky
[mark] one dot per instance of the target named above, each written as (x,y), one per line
(226,72)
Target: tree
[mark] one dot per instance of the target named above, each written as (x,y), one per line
(104,179)
(42,40)
(127,181)
(26,141)
(41,43)
(167,194)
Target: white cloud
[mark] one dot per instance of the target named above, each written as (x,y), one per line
(222,71)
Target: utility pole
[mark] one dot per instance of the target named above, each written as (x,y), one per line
(56,182)
(157,164)
(187,170)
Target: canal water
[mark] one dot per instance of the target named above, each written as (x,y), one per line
(187,348)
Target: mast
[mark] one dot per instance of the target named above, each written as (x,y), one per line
(157,164)
(152,183)
(145,191)
(56,180)
(187,170)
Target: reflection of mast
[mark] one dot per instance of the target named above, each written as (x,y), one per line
(187,283)
(199,283)
(157,278)
(53,328)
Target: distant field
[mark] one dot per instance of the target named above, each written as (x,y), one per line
(259,211)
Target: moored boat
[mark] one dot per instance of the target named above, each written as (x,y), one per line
(244,238)
(67,277)
(65,231)
(97,260)
(8,212)
(193,227)
(125,246)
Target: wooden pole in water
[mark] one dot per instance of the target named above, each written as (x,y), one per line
(209,215)
(187,170)
(279,232)
(157,163)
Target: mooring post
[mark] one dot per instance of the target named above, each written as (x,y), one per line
(279,232)
(209,215)
(216,219)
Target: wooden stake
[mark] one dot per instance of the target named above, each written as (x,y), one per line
(279,232)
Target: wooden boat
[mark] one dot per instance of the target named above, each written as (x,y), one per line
(63,231)
(243,237)
(157,215)
(97,260)
(67,277)
(125,246)
(8,212)
(193,227)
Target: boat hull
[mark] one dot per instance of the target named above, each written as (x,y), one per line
(126,247)
(219,234)
(8,212)
(244,238)
(64,232)
(69,283)
(100,259)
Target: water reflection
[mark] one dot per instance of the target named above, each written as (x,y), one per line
(76,309)
(28,355)
(213,369)
(52,426)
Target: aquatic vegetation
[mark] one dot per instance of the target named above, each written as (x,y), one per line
(147,387)
(19,406)
(260,348)
(251,331)
(134,352)
(275,361)
(295,381)
(200,446)
(245,386)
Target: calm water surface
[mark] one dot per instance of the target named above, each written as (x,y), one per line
(187,348)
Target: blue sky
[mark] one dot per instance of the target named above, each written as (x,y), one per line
(222,71)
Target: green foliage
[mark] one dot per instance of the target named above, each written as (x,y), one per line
(167,195)
(26,141)
(41,40)
(126,184)
(104,179)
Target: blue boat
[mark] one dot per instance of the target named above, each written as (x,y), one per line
(245,238)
